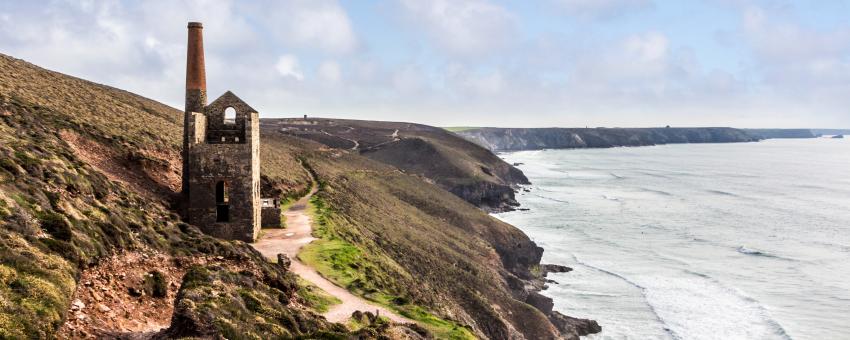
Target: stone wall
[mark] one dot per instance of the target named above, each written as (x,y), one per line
(270,217)
(233,162)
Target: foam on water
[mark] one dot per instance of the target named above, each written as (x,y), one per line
(731,241)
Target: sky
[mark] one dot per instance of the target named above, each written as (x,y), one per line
(543,63)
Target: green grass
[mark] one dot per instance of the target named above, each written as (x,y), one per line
(336,260)
(459,128)
(348,266)
(315,297)
(442,329)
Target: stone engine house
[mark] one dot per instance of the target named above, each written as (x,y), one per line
(221,156)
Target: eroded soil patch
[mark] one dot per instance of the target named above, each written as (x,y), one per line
(120,297)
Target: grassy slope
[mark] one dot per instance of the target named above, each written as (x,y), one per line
(419,243)
(389,236)
(60,215)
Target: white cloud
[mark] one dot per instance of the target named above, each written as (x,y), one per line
(464,28)
(601,9)
(649,47)
(478,63)
(330,71)
(287,66)
(313,23)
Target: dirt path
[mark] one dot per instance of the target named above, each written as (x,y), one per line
(288,241)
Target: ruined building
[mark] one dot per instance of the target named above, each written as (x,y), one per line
(221,155)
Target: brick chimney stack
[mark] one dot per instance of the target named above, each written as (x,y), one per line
(196,77)
(196,89)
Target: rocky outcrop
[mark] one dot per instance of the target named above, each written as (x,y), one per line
(515,139)
(573,328)
(487,195)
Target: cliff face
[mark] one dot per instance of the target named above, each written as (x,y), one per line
(463,168)
(515,139)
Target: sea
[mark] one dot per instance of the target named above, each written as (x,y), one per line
(695,241)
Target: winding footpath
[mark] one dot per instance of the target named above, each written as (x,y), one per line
(289,241)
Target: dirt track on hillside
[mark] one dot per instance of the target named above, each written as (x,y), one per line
(289,240)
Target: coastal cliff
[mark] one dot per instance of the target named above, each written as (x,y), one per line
(93,248)
(516,139)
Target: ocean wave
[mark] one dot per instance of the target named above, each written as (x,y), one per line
(654,174)
(610,198)
(724,193)
(551,199)
(682,304)
(589,293)
(754,252)
(663,193)
(640,288)
(774,325)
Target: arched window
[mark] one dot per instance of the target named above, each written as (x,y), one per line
(229,115)
(222,202)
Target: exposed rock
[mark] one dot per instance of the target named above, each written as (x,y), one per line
(283,261)
(77,305)
(554,268)
(136,292)
(543,303)
(572,328)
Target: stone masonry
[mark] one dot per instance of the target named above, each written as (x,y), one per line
(221,164)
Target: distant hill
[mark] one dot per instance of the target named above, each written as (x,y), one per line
(781,133)
(455,164)
(514,139)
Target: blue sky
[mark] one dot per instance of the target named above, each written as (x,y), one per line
(769,63)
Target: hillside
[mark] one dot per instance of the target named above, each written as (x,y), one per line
(463,168)
(515,139)
(90,246)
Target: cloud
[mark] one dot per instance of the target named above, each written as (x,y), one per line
(312,23)
(602,9)
(463,28)
(287,66)
(804,67)
(457,62)
(330,71)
